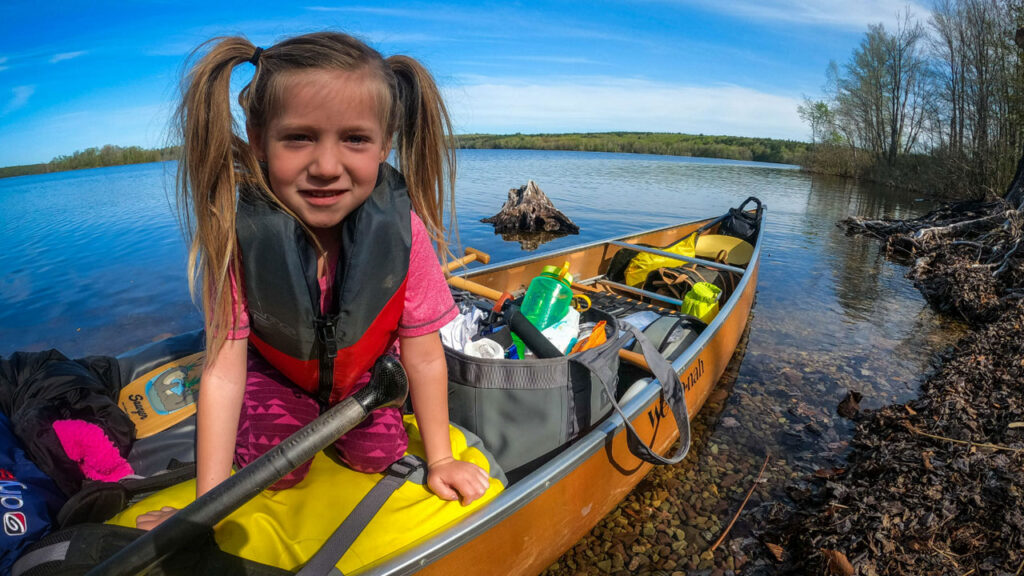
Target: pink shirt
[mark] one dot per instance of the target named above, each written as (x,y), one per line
(428,301)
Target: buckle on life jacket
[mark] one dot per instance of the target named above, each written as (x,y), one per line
(328,335)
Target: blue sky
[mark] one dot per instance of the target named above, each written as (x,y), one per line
(75,74)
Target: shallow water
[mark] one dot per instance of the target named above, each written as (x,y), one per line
(94,263)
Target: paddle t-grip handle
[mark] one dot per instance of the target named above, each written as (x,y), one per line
(388,386)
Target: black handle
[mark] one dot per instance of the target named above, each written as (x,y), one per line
(388,386)
(531,335)
(758,210)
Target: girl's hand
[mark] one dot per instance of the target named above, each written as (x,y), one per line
(152,519)
(451,479)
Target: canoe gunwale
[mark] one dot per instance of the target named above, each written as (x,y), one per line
(521,493)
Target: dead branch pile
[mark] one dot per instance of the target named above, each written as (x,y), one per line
(967,257)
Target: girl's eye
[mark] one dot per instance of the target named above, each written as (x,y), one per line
(357,139)
(297,138)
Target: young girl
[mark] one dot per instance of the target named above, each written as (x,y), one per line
(311,251)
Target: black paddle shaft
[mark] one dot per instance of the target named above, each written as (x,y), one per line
(388,386)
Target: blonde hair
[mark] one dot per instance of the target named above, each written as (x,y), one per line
(217,163)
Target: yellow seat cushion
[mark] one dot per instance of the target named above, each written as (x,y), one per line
(737,252)
(286,528)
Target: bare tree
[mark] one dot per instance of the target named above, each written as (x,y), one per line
(906,86)
(883,90)
(954,90)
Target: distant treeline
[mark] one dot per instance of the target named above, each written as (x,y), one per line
(108,155)
(726,147)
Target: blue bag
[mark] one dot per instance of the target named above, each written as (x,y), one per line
(29,499)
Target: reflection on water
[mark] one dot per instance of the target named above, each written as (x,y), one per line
(530,241)
(94,264)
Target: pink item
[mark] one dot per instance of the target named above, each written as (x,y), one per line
(88,445)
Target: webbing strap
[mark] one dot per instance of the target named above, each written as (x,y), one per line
(323,562)
(672,393)
(52,553)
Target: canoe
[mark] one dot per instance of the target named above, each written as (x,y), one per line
(527,526)
(537,519)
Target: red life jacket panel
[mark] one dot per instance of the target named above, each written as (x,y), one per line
(325,354)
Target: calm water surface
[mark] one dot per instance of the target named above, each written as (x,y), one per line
(93,263)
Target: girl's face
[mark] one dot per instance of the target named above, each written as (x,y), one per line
(323,147)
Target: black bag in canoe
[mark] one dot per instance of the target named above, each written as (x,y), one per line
(739,223)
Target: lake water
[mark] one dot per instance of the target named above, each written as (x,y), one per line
(94,263)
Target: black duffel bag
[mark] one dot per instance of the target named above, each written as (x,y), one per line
(739,223)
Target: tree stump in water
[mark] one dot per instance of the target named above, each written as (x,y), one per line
(528,209)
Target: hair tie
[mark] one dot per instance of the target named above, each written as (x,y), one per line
(255,58)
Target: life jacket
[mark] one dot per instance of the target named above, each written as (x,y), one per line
(325,354)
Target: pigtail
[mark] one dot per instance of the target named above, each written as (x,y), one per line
(425,146)
(214,161)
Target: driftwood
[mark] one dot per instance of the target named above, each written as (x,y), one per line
(528,209)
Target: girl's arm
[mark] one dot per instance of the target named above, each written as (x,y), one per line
(423,359)
(220,402)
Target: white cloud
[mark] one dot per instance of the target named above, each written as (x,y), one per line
(835,13)
(19,97)
(590,104)
(3,63)
(65,56)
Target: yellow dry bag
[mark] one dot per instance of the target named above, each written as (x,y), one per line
(702,301)
(644,263)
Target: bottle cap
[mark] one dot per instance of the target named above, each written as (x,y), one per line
(560,273)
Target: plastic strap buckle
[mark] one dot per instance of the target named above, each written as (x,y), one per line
(404,467)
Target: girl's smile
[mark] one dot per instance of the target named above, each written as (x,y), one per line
(324,147)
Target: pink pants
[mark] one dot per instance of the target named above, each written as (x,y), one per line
(274,408)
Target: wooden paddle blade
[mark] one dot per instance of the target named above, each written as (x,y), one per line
(163,396)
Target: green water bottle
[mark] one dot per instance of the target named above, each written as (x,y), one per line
(547,299)
(549,296)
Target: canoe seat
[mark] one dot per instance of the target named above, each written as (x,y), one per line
(711,247)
